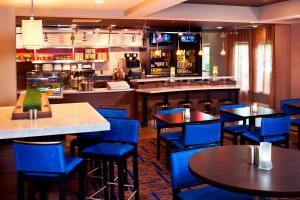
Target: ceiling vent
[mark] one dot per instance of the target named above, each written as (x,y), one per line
(86,20)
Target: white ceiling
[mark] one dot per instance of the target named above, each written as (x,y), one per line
(114,5)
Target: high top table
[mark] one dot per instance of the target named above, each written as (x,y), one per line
(66,119)
(226,167)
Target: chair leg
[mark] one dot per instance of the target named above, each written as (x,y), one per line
(82,181)
(136,175)
(235,139)
(62,192)
(287,141)
(105,175)
(73,146)
(42,191)
(222,134)
(298,137)
(158,144)
(121,179)
(20,183)
(242,141)
(125,174)
(111,179)
(168,146)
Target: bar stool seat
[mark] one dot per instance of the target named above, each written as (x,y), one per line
(162,106)
(185,104)
(109,149)
(207,105)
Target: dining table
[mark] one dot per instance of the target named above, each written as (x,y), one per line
(68,118)
(179,119)
(251,114)
(226,167)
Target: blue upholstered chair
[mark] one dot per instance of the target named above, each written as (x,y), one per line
(181,178)
(166,136)
(235,130)
(274,129)
(88,139)
(199,135)
(44,162)
(292,111)
(118,144)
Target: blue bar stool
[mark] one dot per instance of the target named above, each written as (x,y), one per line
(88,139)
(182,178)
(118,145)
(292,111)
(199,135)
(274,129)
(44,162)
(234,129)
(166,136)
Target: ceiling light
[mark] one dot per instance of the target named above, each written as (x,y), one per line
(223,52)
(86,20)
(32,32)
(99,1)
(219,27)
(178,52)
(113,25)
(97,29)
(73,25)
(254,26)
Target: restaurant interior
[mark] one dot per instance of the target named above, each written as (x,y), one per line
(149,99)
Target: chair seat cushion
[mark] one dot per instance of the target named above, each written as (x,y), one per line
(255,137)
(109,149)
(211,193)
(168,136)
(236,129)
(70,162)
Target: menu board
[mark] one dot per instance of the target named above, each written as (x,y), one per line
(58,39)
(115,40)
(132,39)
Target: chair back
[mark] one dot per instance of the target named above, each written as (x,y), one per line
(44,157)
(289,110)
(202,134)
(160,124)
(227,117)
(181,176)
(278,125)
(121,130)
(113,113)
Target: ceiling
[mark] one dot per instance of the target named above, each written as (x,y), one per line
(114,5)
(255,3)
(152,25)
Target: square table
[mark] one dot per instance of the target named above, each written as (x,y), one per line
(66,119)
(178,119)
(248,113)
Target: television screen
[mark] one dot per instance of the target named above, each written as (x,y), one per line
(188,38)
(161,38)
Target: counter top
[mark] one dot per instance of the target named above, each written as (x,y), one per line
(187,88)
(66,119)
(178,78)
(96,90)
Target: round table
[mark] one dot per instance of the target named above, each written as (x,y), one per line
(226,167)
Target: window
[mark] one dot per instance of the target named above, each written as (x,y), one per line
(263,68)
(241,64)
(205,61)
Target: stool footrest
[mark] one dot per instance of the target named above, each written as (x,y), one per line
(91,197)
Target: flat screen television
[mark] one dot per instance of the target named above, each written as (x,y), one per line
(161,38)
(187,38)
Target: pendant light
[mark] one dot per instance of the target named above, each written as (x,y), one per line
(178,52)
(200,52)
(32,32)
(156,53)
(223,52)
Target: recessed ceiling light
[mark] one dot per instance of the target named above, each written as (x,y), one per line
(113,25)
(125,29)
(219,27)
(99,1)
(254,26)
(97,29)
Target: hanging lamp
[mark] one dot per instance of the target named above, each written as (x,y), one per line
(200,52)
(178,52)
(223,52)
(156,53)
(32,32)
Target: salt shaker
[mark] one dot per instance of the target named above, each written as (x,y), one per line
(30,114)
(34,113)
(251,154)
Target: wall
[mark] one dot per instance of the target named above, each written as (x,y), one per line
(295,61)
(282,63)
(215,42)
(8,83)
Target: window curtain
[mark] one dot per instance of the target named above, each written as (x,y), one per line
(240,37)
(254,37)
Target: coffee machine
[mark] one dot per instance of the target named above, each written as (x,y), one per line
(133,65)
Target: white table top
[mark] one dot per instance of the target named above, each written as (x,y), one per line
(66,119)
(186,88)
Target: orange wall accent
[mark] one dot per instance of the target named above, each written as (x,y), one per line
(8,79)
